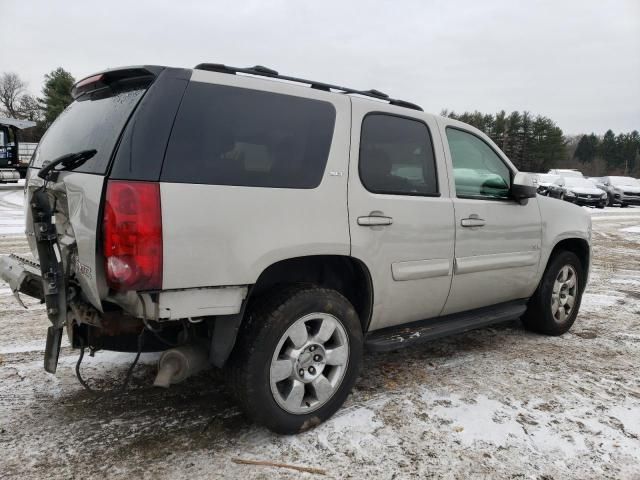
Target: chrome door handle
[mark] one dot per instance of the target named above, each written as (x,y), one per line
(374,220)
(474,220)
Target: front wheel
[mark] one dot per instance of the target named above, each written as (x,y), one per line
(298,356)
(555,304)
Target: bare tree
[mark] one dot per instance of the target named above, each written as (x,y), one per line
(29,108)
(12,88)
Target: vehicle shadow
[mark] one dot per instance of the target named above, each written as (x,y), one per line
(201,413)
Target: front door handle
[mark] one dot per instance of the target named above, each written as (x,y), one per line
(374,220)
(474,220)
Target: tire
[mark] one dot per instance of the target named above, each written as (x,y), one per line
(274,357)
(599,206)
(541,315)
(623,205)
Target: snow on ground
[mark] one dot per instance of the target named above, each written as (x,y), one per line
(494,403)
(11,214)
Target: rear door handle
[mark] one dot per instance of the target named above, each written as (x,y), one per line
(374,220)
(474,220)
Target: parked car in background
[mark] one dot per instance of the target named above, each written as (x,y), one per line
(566,172)
(579,191)
(623,191)
(544,181)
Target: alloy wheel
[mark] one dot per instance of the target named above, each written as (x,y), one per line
(564,293)
(309,363)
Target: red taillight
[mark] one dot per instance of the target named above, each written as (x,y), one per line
(89,80)
(133,236)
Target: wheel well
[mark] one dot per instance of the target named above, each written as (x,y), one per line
(580,248)
(346,275)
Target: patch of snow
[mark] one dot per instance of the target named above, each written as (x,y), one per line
(595,300)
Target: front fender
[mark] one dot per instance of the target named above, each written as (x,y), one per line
(561,221)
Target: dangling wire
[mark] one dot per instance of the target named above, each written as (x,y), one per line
(78,374)
(127,378)
(135,361)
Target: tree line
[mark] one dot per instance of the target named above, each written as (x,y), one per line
(536,144)
(17,102)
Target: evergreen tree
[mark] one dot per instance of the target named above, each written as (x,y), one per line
(587,148)
(512,137)
(629,148)
(56,94)
(609,150)
(500,128)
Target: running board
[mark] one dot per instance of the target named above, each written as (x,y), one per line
(405,335)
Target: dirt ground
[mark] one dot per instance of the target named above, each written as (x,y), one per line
(493,403)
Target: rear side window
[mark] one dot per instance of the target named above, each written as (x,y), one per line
(235,136)
(95,120)
(396,156)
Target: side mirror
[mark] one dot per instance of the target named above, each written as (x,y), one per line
(523,188)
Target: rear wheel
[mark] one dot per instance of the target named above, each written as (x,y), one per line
(297,358)
(555,304)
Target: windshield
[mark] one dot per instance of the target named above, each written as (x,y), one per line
(93,121)
(624,181)
(578,182)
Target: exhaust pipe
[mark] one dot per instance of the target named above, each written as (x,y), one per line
(179,363)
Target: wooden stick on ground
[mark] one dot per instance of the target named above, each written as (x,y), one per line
(241,461)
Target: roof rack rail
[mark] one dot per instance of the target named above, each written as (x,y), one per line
(262,71)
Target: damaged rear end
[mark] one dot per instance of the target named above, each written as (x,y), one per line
(94,224)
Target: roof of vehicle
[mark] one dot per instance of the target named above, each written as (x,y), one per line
(547,176)
(620,180)
(576,181)
(19,124)
(565,172)
(261,71)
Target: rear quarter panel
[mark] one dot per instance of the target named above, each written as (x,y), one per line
(217,235)
(78,223)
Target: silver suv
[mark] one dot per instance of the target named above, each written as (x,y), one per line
(275,227)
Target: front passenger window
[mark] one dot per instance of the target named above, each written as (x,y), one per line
(477,169)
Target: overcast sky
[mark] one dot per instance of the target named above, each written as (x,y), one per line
(577,62)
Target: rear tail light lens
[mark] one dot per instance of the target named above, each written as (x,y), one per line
(133,236)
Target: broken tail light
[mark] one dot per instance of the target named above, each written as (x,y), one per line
(132,233)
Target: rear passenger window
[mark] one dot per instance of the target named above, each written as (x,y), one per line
(236,136)
(396,156)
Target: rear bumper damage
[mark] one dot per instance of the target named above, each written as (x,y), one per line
(118,331)
(22,275)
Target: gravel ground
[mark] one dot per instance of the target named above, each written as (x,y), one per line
(494,403)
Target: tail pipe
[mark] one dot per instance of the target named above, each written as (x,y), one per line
(179,363)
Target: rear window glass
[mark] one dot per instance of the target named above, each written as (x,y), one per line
(95,120)
(236,136)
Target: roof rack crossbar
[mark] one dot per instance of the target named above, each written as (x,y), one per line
(262,71)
